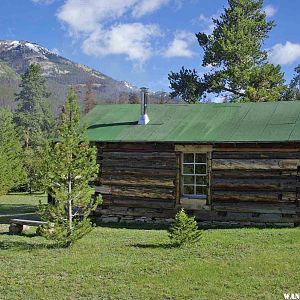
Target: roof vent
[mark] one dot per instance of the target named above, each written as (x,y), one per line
(144,119)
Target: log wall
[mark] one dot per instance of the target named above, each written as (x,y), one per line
(257,184)
(250,184)
(137,176)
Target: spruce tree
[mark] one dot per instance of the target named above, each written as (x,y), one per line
(70,167)
(33,115)
(293,89)
(11,162)
(34,120)
(239,69)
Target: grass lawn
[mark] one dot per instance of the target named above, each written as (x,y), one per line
(119,263)
(19,205)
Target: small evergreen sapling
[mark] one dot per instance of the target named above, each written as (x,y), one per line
(70,167)
(184,230)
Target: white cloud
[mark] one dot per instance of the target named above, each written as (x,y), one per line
(284,54)
(133,40)
(147,6)
(270,10)
(179,47)
(96,23)
(86,15)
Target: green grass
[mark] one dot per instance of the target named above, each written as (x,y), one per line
(20,206)
(120,263)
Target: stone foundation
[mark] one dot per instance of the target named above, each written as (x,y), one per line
(132,220)
(105,219)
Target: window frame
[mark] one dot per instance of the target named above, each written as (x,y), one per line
(195,175)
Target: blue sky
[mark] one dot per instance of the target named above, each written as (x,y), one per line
(139,41)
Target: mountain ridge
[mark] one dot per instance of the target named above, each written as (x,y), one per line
(60,73)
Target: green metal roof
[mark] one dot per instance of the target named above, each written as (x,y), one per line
(230,122)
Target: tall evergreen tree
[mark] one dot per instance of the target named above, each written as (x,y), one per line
(11,163)
(293,89)
(70,167)
(33,115)
(34,120)
(238,66)
(89,100)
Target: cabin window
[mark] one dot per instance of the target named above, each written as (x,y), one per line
(194,175)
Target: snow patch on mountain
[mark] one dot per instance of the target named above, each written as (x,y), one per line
(10,45)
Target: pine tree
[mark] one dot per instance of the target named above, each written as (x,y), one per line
(293,90)
(184,230)
(34,120)
(89,100)
(33,115)
(239,68)
(70,167)
(11,162)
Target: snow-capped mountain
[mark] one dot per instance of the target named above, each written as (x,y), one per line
(61,73)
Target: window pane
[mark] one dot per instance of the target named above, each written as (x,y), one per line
(188,169)
(202,180)
(200,169)
(188,180)
(201,190)
(200,158)
(188,158)
(188,190)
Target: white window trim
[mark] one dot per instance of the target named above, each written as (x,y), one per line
(195,185)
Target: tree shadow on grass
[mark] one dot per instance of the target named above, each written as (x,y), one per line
(24,241)
(25,245)
(17,208)
(155,246)
(139,226)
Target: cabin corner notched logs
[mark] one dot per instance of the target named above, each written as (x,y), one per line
(249,184)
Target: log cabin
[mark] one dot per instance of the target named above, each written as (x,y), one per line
(233,164)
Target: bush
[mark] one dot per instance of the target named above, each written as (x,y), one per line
(184,230)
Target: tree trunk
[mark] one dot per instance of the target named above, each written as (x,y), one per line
(70,203)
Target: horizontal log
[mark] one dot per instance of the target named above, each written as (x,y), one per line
(274,184)
(257,196)
(147,192)
(130,180)
(138,164)
(137,202)
(255,164)
(250,207)
(102,189)
(136,212)
(255,155)
(258,174)
(136,147)
(193,148)
(139,155)
(258,147)
(109,170)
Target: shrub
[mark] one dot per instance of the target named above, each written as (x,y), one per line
(184,230)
